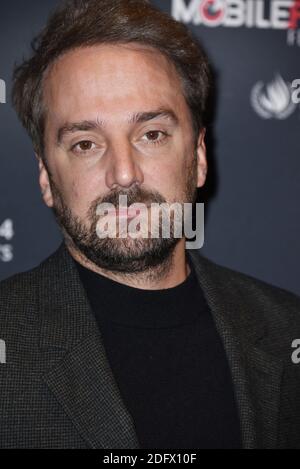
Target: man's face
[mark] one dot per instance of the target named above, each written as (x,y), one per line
(117,123)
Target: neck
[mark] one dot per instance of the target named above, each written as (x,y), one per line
(168,274)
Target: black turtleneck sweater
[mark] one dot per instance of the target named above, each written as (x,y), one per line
(168,361)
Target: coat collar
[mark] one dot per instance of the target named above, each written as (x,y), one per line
(80,376)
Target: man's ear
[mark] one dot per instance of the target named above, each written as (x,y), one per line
(44,182)
(201,159)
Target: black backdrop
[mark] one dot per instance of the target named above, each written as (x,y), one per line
(253,190)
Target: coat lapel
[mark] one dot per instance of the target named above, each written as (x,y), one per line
(256,374)
(79,374)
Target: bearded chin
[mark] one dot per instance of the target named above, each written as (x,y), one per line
(116,254)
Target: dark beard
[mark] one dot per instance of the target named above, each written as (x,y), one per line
(124,255)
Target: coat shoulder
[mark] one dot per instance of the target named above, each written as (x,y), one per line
(20,291)
(250,284)
(241,282)
(258,301)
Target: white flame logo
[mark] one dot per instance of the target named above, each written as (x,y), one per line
(274,100)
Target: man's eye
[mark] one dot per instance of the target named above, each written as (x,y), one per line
(155,136)
(83,146)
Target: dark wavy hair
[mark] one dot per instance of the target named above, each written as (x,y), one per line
(79,23)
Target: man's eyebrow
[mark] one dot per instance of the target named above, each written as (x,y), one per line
(70,128)
(138,118)
(141,117)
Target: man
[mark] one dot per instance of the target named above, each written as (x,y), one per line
(134,342)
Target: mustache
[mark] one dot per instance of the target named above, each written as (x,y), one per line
(134,195)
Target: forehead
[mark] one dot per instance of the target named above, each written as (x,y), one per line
(113,79)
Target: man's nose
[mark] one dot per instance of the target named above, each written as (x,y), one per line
(123,168)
